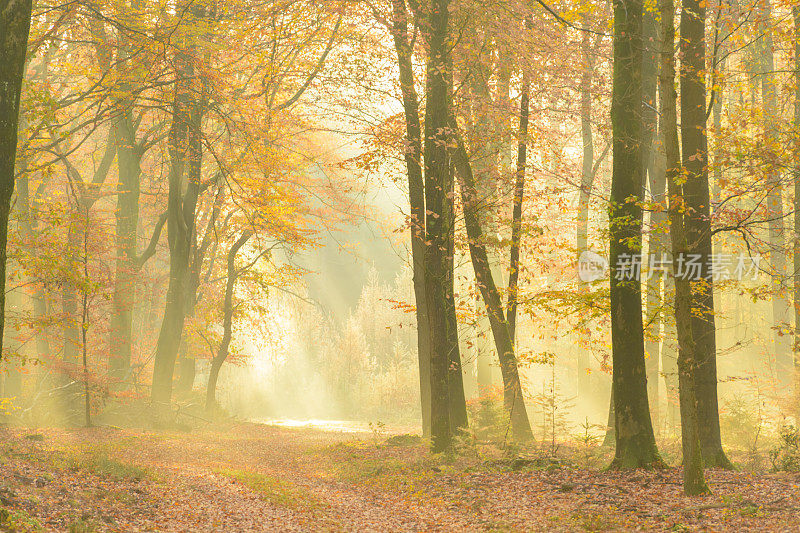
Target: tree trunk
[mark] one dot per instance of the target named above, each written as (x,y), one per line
(587,181)
(437,173)
(693,478)
(187,368)
(657,226)
(519,193)
(635,442)
(127,221)
(15,19)
(416,197)
(697,223)
(513,398)
(781,315)
(185,144)
(797,207)
(227,323)
(38,298)
(669,355)
(455,375)
(69,303)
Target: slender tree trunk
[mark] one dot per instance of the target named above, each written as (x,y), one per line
(797,207)
(38,298)
(416,197)
(69,303)
(437,172)
(781,314)
(15,21)
(587,182)
(693,478)
(519,194)
(87,404)
(127,222)
(12,385)
(657,226)
(227,322)
(514,400)
(455,375)
(669,355)
(635,446)
(697,223)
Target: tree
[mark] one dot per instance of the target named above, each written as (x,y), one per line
(697,224)
(635,441)
(797,206)
(513,398)
(775,212)
(227,323)
(185,153)
(15,19)
(693,478)
(437,176)
(416,198)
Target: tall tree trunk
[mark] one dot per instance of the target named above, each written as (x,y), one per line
(38,298)
(127,222)
(797,207)
(513,398)
(697,223)
(635,442)
(187,366)
(227,322)
(587,181)
(416,197)
(437,174)
(12,384)
(69,303)
(657,226)
(519,194)
(693,478)
(455,375)
(781,315)
(185,144)
(15,19)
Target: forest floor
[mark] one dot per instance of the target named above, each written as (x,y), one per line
(254,477)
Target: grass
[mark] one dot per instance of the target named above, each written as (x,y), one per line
(100,463)
(18,522)
(596,521)
(275,490)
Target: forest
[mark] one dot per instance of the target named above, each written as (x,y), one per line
(399,265)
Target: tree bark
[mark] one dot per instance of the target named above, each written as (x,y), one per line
(781,314)
(635,442)
(416,198)
(513,398)
(519,194)
(796,12)
(185,146)
(227,322)
(127,221)
(455,375)
(15,19)
(697,223)
(437,174)
(693,477)
(657,218)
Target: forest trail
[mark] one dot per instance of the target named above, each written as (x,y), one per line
(251,477)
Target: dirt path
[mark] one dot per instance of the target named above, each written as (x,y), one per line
(260,478)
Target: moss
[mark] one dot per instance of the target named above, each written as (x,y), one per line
(275,490)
